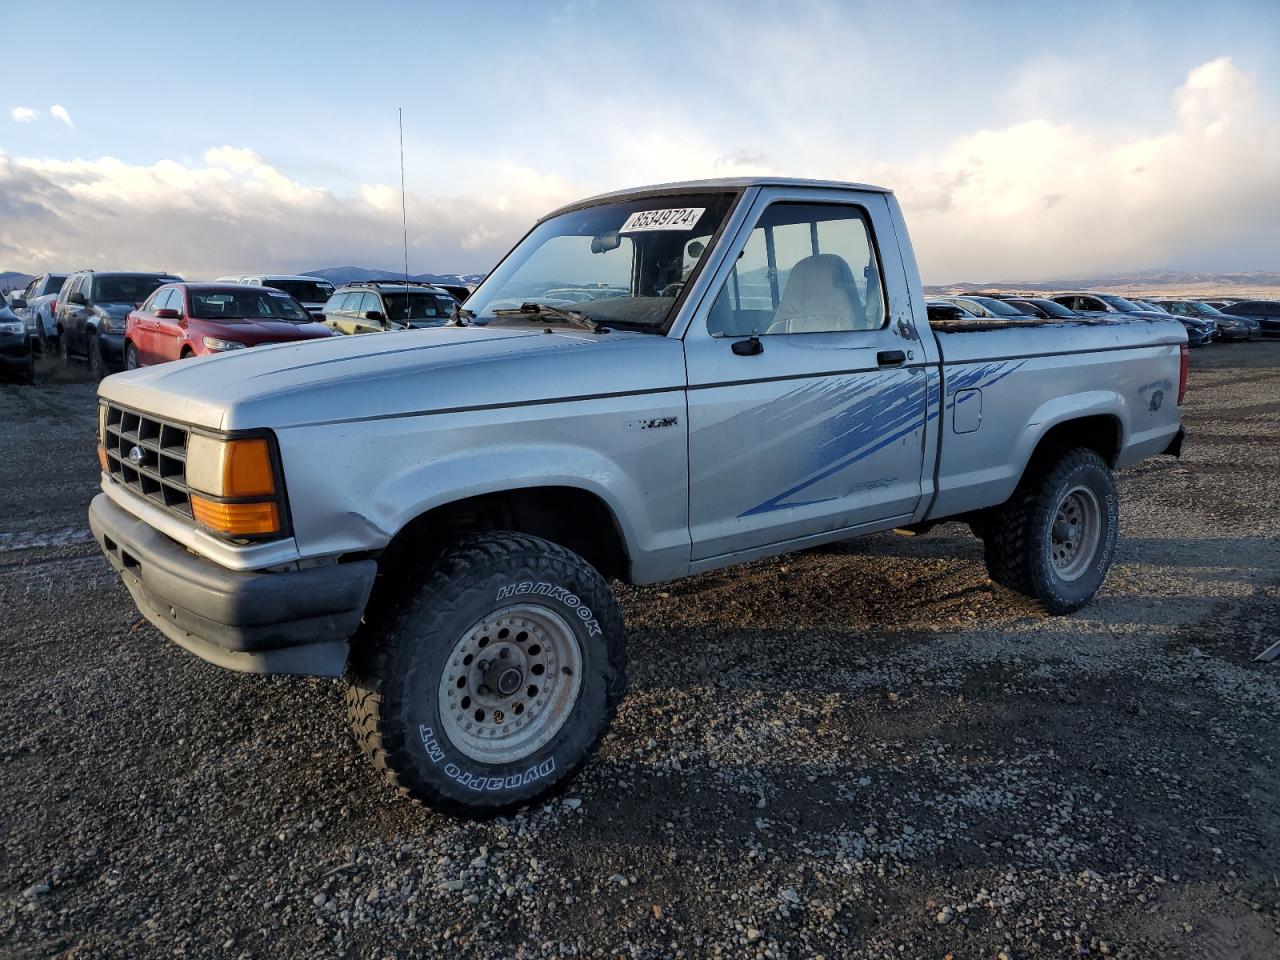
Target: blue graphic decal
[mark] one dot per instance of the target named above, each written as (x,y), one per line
(868,417)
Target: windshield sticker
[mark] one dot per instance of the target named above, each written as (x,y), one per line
(678,218)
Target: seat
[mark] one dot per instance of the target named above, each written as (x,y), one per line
(820,296)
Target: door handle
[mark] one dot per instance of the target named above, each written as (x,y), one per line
(891,358)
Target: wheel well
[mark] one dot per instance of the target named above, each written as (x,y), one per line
(1100,433)
(573,518)
(187,351)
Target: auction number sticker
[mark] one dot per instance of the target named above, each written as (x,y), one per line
(677,218)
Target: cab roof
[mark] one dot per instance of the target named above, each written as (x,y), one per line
(715,185)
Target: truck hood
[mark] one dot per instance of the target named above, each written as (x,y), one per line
(404,373)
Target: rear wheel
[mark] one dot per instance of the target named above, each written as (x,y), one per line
(1053,541)
(495,680)
(46,342)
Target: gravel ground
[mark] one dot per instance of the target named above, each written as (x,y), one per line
(857,751)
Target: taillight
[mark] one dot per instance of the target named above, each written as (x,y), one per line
(53,306)
(1184,365)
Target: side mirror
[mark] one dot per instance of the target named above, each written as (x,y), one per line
(78,299)
(168,313)
(375,315)
(17,303)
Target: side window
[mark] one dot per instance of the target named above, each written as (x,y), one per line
(805,268)
(369,303)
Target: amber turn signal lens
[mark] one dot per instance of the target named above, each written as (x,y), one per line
(236,519)
(230,468)
(102,459)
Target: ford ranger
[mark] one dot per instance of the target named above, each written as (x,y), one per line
(651,384)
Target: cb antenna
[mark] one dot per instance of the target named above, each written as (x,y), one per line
(404,208)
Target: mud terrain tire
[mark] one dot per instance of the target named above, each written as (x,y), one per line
(491,603)
(1054,539)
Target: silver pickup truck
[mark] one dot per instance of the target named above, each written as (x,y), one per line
(653,383)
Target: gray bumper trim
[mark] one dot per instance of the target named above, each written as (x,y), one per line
(293,622)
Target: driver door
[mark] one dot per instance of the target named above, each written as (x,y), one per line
(806,407)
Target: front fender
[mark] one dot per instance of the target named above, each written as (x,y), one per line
(352,487)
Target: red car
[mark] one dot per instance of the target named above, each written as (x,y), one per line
(181,320)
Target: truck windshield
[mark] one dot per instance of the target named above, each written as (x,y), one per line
(308,291)
(622,263)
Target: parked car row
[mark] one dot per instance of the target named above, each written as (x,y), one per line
(1204,321)
(122,320)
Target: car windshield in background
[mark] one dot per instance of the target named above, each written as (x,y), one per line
(420,306)
(54,284)
(232,305)
(1204,310)
(1053,308)
(127,289)
(308,291)
(622,263)
(998,307)
(1120,303)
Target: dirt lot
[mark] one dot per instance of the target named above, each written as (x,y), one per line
(859,751)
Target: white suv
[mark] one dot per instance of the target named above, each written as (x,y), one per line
(312,292)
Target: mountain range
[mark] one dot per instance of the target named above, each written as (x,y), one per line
(1259,283)
(340,275)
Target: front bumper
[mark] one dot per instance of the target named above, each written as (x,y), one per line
(295,621)
(15,352)
(112,346)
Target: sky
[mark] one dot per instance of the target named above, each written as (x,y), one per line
(1024,140)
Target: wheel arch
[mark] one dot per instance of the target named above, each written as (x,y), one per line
(574,517)
(1102,433)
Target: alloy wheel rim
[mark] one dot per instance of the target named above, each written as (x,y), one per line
(510,683)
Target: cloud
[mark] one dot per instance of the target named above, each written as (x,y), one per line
(59,112)
(24,114)
(1039,198)
(1044,199)
(236,213)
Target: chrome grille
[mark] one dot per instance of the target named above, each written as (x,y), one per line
(158,471)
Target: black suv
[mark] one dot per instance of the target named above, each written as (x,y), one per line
(92,310)
(377,305)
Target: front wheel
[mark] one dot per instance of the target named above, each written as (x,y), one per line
(64,349)
(97,366)
(130,357)
(496,679)
(1053,541)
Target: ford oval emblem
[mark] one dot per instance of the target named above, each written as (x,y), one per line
(137,456)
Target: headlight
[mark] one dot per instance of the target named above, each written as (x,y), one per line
(233,485)
(113,324)
(12,326)
(220,346)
